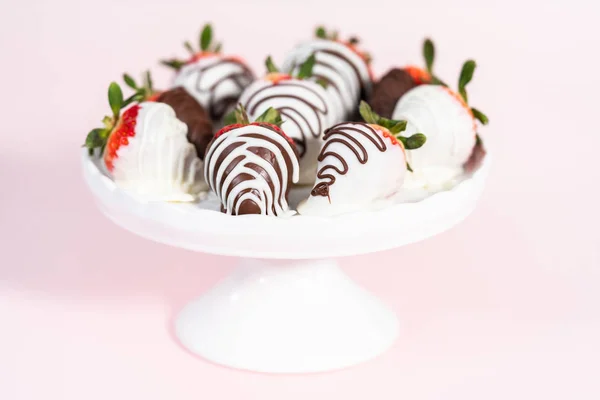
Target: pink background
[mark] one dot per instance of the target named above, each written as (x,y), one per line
(504,306)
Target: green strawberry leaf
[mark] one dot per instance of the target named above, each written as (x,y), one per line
(437,81)
(129,81)
(189,48)
(175,64)
(321,33)
(415,141)
(397,127)
(271,67)
(306,69)
(428,54)
(241,116)
(149,84)
(323,82)
(367,113)
(229,118)
(270,116)
(481,117)
(466,74)
(115,99)
(206,37)
(218,48)
(408,167)
(93,139)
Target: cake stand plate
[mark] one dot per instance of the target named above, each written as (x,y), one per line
(288,307)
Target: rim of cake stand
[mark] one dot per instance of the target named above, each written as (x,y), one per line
(300,237)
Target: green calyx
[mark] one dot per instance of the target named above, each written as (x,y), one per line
(97,137)
(271,67)
(270,116)
(429,56)
(322,33)
(141,93)
(206,45)
(240,116)
(394,126)
(466,75)
(306,68)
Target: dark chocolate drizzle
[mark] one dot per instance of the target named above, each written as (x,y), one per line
(241,79)
(292,114)
(363,86)
(344,135)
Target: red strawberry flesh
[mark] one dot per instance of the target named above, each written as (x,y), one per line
(124,129)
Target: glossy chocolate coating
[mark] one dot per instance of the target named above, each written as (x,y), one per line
(191,113)
(388,91)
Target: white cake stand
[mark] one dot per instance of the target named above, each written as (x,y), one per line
(288,308)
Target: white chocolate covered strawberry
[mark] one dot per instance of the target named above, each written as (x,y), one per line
(451,129)
(362,166)
(216,81)
(305,107)
(146,152)
(340,64)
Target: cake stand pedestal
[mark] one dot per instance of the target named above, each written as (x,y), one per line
(287,317)
(288,307)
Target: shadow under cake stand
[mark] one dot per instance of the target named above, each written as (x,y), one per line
(288,307)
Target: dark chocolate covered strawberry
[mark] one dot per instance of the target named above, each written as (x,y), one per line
(397,81)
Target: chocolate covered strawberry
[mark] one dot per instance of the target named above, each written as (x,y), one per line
(251,166)
(397,81)
(362,165)
(187,109)
(144,149)
(450,123)
(216,81)
(341,64)
(306,107)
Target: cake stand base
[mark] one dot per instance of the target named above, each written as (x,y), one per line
(287,317)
